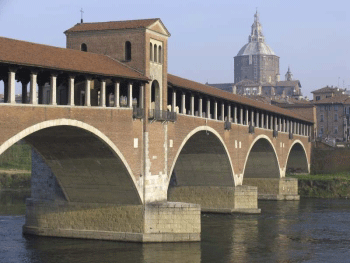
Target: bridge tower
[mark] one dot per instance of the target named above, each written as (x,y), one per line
(141,45)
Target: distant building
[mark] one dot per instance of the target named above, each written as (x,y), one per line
(327,92)
(256,70)
(333,118)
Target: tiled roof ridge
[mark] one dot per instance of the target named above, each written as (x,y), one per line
(328,88)
(79,27)
(127,66)
(45,49)
(49,46)
(129,20)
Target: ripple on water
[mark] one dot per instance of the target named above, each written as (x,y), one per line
(312,230)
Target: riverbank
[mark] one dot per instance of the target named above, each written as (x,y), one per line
(17,180)
(324,185)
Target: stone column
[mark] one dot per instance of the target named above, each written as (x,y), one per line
(53,92)
(298,130)
(33,83)
(215,110)
(235,114)
(117,94)
(276,123)
(262,120)
(272,127)
(241,116)
(183,103)
(279,124)
(208,109)
(130,95)
(142,95)
(11,86)
(200,106)
(287,128)
(173,105)
(295,128)
(252,122)
(257,119)
(222,111)
(192,104)
(87,92)
(229,113)
(246,117)
(71,90)
(103,94)
(267,121)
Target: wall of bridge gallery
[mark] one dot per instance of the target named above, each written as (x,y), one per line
(127,136)
(99,175)
(238,142)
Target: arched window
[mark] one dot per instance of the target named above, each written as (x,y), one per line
(127,50)
(160,54)
(155,53)
(150,52)
(155,95)
(83,47)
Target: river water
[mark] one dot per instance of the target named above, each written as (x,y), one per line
(310,230)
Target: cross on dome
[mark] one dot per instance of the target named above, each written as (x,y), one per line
(256,34)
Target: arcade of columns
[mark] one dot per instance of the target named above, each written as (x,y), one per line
(228,111)
(238,114)
(35,97)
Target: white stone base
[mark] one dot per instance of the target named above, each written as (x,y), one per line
(156,222)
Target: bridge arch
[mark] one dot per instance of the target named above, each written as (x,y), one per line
(199,164)
(297,161)
(79,148)
(261,160)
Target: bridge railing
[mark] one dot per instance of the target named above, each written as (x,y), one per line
(160,115)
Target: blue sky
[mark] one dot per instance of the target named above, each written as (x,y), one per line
(310,36)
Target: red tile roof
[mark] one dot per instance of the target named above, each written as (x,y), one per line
(205,89)
(328,90)
(112,25)
(30,54)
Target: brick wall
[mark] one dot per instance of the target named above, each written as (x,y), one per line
(330,160)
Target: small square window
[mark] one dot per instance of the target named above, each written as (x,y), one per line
(335,117)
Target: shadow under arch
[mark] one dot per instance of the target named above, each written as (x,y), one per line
(297,161)
(88,166)
(202,160)
(261,160)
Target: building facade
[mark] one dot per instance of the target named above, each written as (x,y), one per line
(333,118)
(327,92)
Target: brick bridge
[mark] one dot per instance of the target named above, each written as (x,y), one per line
(125,151)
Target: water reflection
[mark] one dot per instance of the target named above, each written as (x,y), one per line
(311,230)
(13,202)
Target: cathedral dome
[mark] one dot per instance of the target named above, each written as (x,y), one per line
(255,48)
(256,44)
